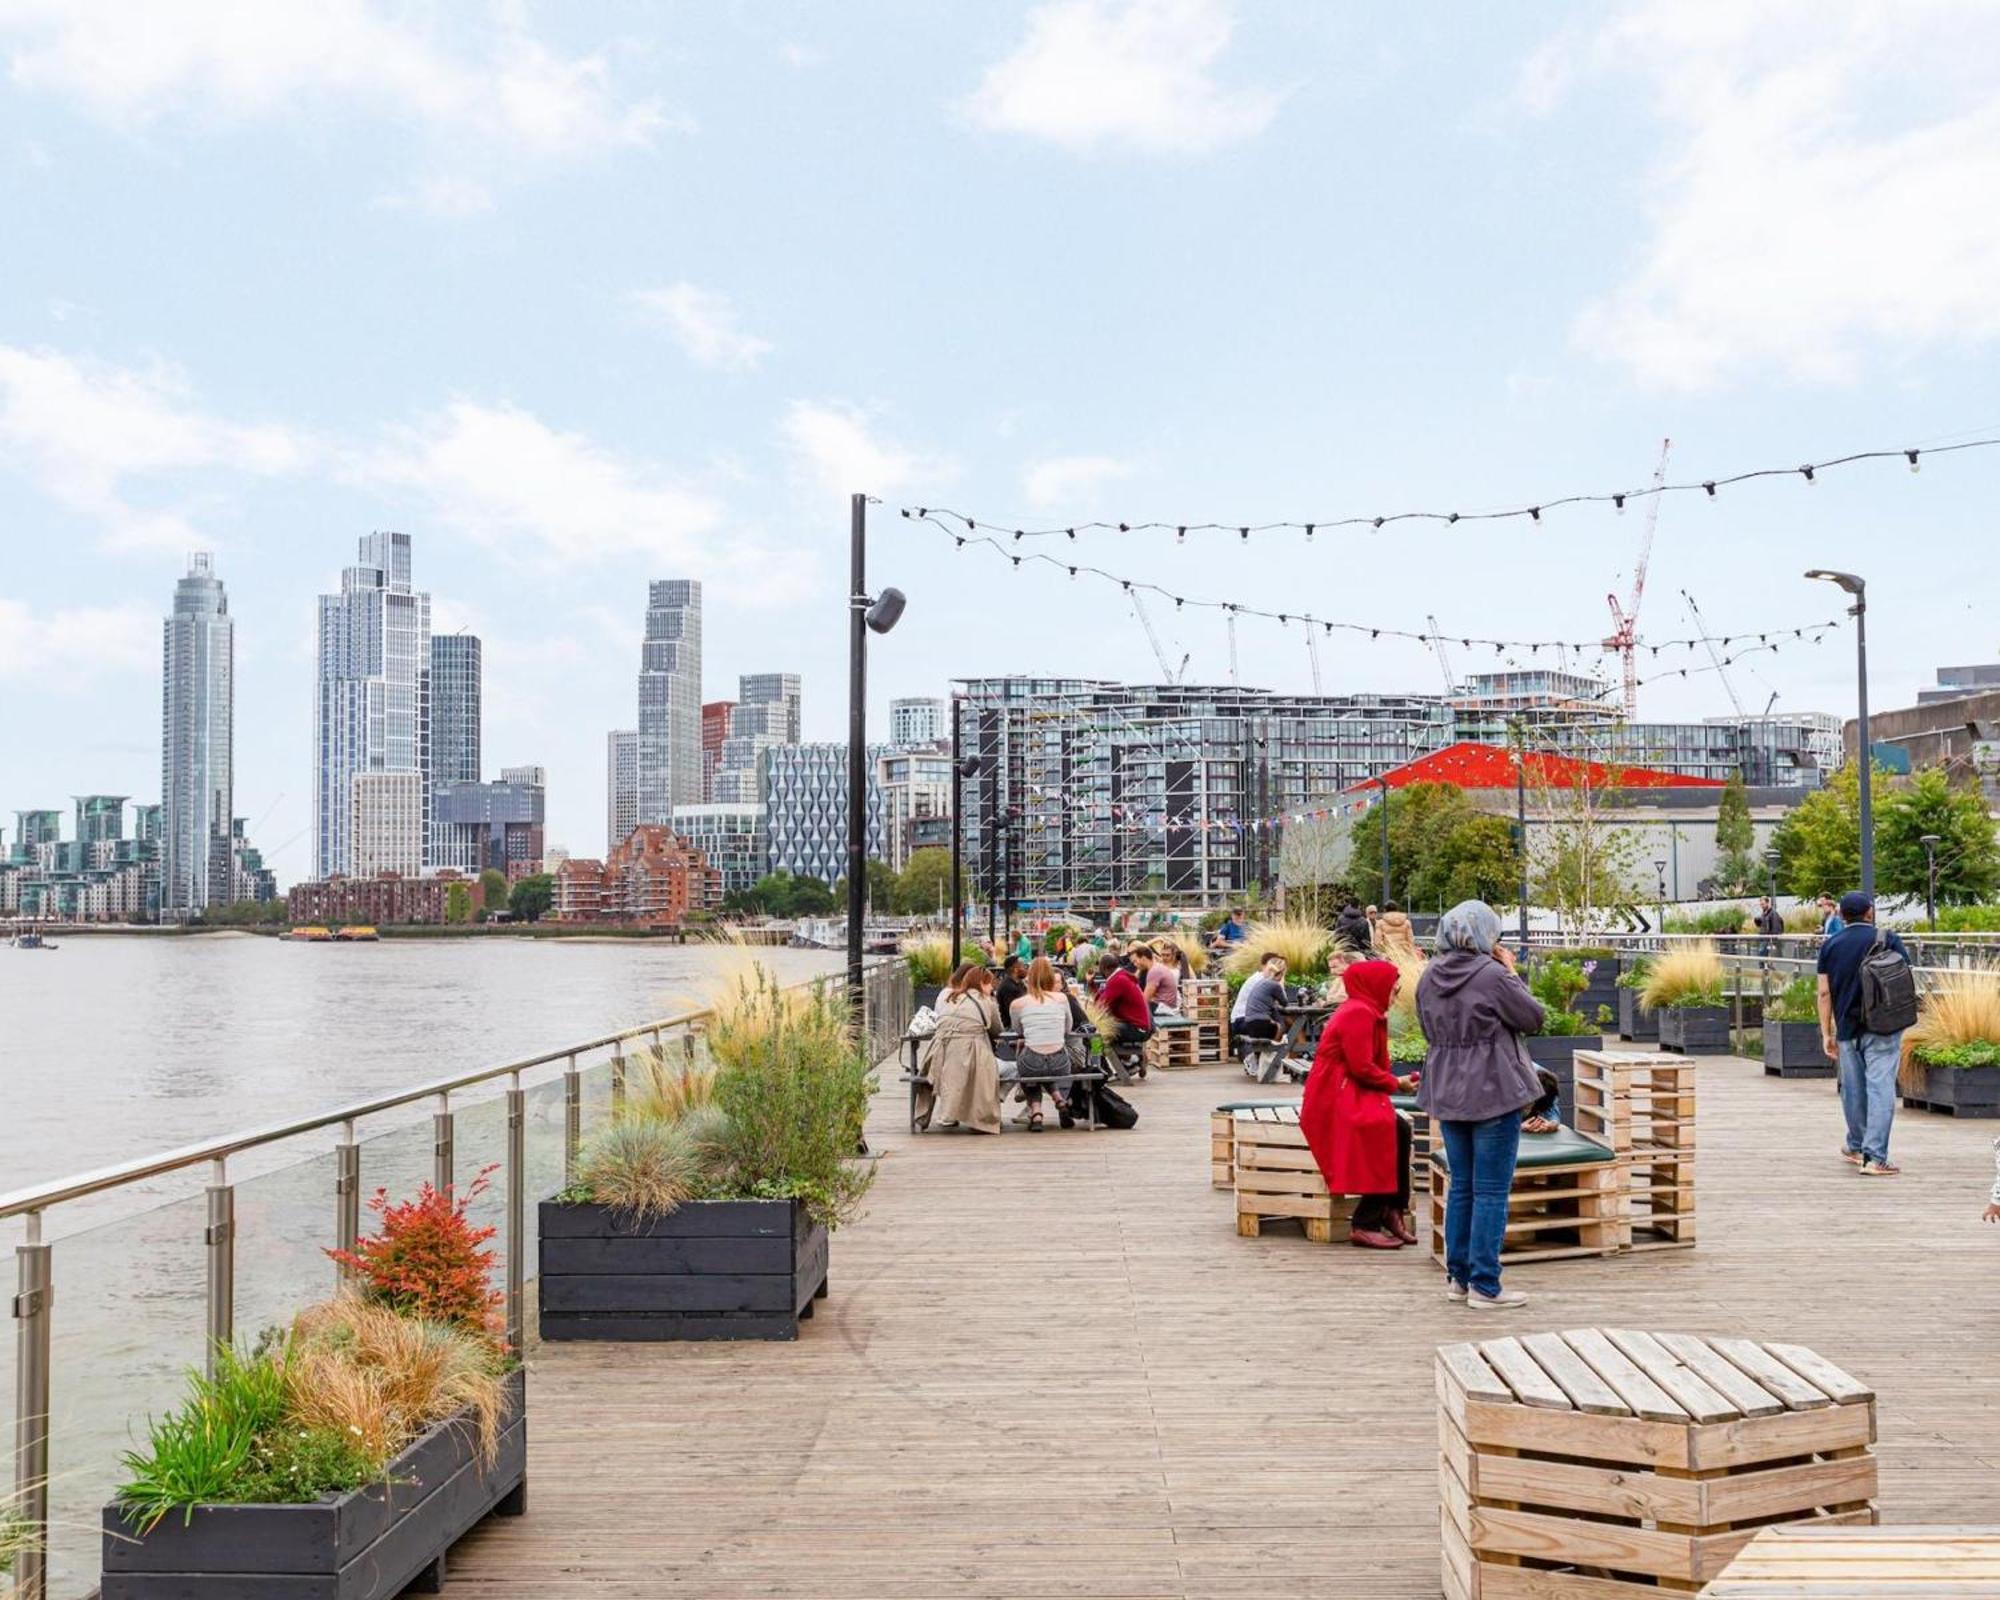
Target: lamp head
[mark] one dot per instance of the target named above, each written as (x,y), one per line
(1931,841)
(886,612)
(1847,580)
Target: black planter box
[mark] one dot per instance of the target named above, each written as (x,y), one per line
(1603,989)
(1635,1020)
(1955,1091)
(370,1544)
(1557,1053)
(1695,1030)
(1791,1050)
(714,1269)
(925,994)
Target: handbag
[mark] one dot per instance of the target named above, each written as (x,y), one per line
(924,1023)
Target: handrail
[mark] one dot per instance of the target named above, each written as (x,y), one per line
(41,1197)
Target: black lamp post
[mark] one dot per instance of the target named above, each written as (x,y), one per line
(1660,872)
(866,614)
(1771,864)
(1930,842)
(1858,587)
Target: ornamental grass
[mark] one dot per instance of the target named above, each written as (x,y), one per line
(1958,1023)
(659,1088)
(1690,975)
(928,956)
(1303,943)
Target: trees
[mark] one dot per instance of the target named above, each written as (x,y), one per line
(1968,859)
(1584,856)
(779,894)
(458,904)
(492,893)
(1819,844)
(531,897)
(1476,858)
(1442,849)
(925,881)
(1735,840)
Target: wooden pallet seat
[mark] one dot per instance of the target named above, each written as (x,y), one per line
(1567,1201)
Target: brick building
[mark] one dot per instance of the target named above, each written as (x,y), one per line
(379,901)
(653,879)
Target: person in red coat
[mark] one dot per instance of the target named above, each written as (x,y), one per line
(1361,1144)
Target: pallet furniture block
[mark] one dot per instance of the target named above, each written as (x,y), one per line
(1171,1050)
(1420,1139)
(1606,1464)
(1813,1563)
(1276,1178)
(1643,1107)
(1568,1200)
(1206,1001)
(1222,1133)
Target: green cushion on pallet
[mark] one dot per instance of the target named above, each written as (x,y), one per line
(1404,1102)
(1257,1105)
(1563,1148)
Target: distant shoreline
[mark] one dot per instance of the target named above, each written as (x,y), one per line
(56,932)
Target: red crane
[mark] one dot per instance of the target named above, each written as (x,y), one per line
(1624,637)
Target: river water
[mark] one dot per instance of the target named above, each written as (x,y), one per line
(114,1047)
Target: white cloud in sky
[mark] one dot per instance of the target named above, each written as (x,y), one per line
(247,59)
(1817,206)
(1070,480)
(447,198)
(90,435)
(703,323)
(839,453)
(1136,74)
(67,649)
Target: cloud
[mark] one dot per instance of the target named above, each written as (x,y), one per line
(1136,74)
(839,454)
(90,436)
(233,61)
(67,649)
(448,199)
(1812,216)
(703,323)
(1069,480)
(505,479)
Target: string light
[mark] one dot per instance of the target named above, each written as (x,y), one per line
(1616,499)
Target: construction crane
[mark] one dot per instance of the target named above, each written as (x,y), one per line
(1232,646)
(1444,661)
(1153,638)
(1312,655)
(1624,637)
(1715,656)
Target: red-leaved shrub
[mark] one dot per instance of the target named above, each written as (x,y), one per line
(427,1260)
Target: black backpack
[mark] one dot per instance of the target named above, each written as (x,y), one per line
(1888,989)
(1113,1109)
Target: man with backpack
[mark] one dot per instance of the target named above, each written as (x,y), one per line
(1867,997)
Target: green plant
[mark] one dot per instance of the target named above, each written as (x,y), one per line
(1717,919)
(1688,976)
(199,1453)
(1968,919)
(1633,972)
(929,958)
(1798,1001)
(17,1538)
(1408,1049)
(1303,944)
(662,1089)
(292,1465)
(1981,1053)
(640,1164)
(427,1260)
(1579,953)
(1605,1017)
(1557,983)
(1958,1023)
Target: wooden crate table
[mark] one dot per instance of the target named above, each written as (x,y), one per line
(1568,1199)
(1602,1464)
(1171,1049)
(1643,1107)
(1922,1563)
(1222,1133)
(1277,1178)
(1206,1001)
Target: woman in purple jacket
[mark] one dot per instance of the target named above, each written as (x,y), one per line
(1475,1084)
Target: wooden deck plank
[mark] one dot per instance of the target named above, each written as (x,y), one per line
(1050,1368)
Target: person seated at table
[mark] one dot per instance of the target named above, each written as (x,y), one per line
(958,1062)
(1119,993)
(1362,1147)
(1255,1014)
(1042,1013)
(1159,981)
(1545,1115)
(1229,934)
(1010,988)
(1170,951)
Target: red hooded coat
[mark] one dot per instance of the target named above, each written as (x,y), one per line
(1346,1114)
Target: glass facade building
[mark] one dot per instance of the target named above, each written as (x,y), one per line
(621,786)
(805,787)
(197,744)
(455,669)
(669,731)
(734,839)
(917,722)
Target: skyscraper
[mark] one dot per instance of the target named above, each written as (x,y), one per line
(917,722)
(621,787)
(373,708)
(455,708)
(670,700)
(781,690)
(714,729)
(197,743)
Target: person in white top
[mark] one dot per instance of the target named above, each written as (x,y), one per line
(1042,1016)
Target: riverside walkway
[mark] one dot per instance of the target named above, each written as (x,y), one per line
(1049,1367)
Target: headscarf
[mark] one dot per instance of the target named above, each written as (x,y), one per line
(1370,983)
(1469,925)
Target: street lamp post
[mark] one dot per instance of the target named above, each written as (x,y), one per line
(1930,842)
(866,614)
(1386,895)
(1858,587)
(1771,859)
(1660,873)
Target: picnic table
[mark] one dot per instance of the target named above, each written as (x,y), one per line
(913,1044)
(1303,1021)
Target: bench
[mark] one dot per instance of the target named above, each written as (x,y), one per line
(1276,1177)
(1568,1199)
(1819,1563)
(912,1079)
(1222,1134)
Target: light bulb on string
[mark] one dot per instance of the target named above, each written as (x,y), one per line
(1911,456)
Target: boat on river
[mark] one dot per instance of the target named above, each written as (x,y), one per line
(356,933)
(31,939)
(312,933)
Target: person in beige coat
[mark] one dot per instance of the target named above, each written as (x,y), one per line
(964,1074)
(1393,931)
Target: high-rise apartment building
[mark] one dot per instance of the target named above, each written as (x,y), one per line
(621,786)
(783,690)
(386,816)
(372,713)
(918,721)
(916,790)
(100,818)
(533,777)
(197,743)
(714,729)
(455,674)
(731,838)
(670,700)
(499,825)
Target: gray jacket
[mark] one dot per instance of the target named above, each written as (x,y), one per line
(1473,1012)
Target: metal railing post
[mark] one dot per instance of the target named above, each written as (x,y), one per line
(35,1293)
(441,1124)
(221,1240)
(346,1199)
(618,1077)
(572,1119)
(517,1204)
(1736,1039)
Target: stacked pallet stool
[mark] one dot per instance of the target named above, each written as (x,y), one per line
(1420,1138)
(1171,1050)
(1568,1199)
(1921,1562)
(1601,1464)
(1206,1001)
(1222,1134)
(1643,1107)
(1276,1177)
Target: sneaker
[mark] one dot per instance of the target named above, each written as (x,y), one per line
(1880,1169)
(1023,1118)
(1454,1292)
(1851,1157)
(1505,1300)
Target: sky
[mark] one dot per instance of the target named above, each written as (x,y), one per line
(584,295)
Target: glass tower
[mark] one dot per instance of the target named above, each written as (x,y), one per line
(455,708)
(621,787)
(197,743)
(670,700)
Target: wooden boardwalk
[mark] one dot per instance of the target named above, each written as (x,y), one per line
(1049,1367)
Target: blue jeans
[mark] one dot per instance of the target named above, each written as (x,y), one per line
(1868,1091)
(1481,1156)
